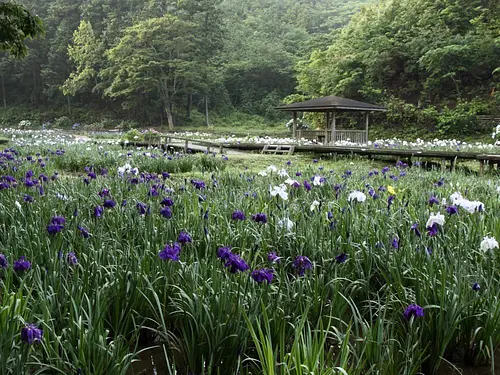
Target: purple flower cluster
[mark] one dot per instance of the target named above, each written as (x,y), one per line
(198,184)
(184,238)
(22,265)
(238,215)
(273,257)
(260,218)
(414,228)
(3,261)
(301,264)
(56,225)
(171,252)
(233,261)
(72,259)
(31,334)
(413,310)
(264,274)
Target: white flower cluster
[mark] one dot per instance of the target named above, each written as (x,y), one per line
(23,124)
(470,206)
(435,219)
(489,243)
(496,132)
(127,169)
(356,196)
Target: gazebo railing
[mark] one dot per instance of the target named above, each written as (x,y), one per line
(355,136)
(325,136)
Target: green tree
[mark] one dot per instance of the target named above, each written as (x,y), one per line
(153,58)
(86,53)
(16,25)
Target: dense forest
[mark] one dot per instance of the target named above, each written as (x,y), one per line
(228,62)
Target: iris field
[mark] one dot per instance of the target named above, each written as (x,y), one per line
(302,267)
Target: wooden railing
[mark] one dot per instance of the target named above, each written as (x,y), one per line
(355,136)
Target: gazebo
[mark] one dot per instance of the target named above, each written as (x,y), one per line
(331,105)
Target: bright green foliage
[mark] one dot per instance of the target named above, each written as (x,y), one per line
(86,52)
(421,51)
(154,57)
(16,25)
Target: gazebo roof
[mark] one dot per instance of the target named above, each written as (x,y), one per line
(331,103)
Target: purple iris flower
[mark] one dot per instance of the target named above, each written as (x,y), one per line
(171,252)
(124,203)
(184,238)
(98,211)
(22,265)
(166,212)
(28,198)
(452,210)
(238,215)
(92,175)
(260,218)
(3,261)
(301,264)
(298,174)
(440,182)
(30,183)
(395,243)
(433,230)
(167,202)
(390,200)
(224,252)
(109,203)
(72,259)
(236,263)
(433,200)
(142,208)
(341,258)
(476,287)
(414,228)
(413,310)
(165,175)
(84,232)
(153,192)
(385,170)
(264,274)
(198,184)
(31,334)
(273,257)
(307,185)
(56,225)
(104,193)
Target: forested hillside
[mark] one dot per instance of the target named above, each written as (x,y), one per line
(434,63)
(165,61)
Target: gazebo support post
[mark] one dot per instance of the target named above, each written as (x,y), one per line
(367,120)
(334,126)
(294,123)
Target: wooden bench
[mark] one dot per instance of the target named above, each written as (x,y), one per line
(491,160)
(278,149)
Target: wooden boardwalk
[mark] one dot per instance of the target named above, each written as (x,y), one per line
(187,144)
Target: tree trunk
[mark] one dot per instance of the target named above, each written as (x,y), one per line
(69,106)
(34,88)
(189,105)
(3,92)
(207,123)
(170,120)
